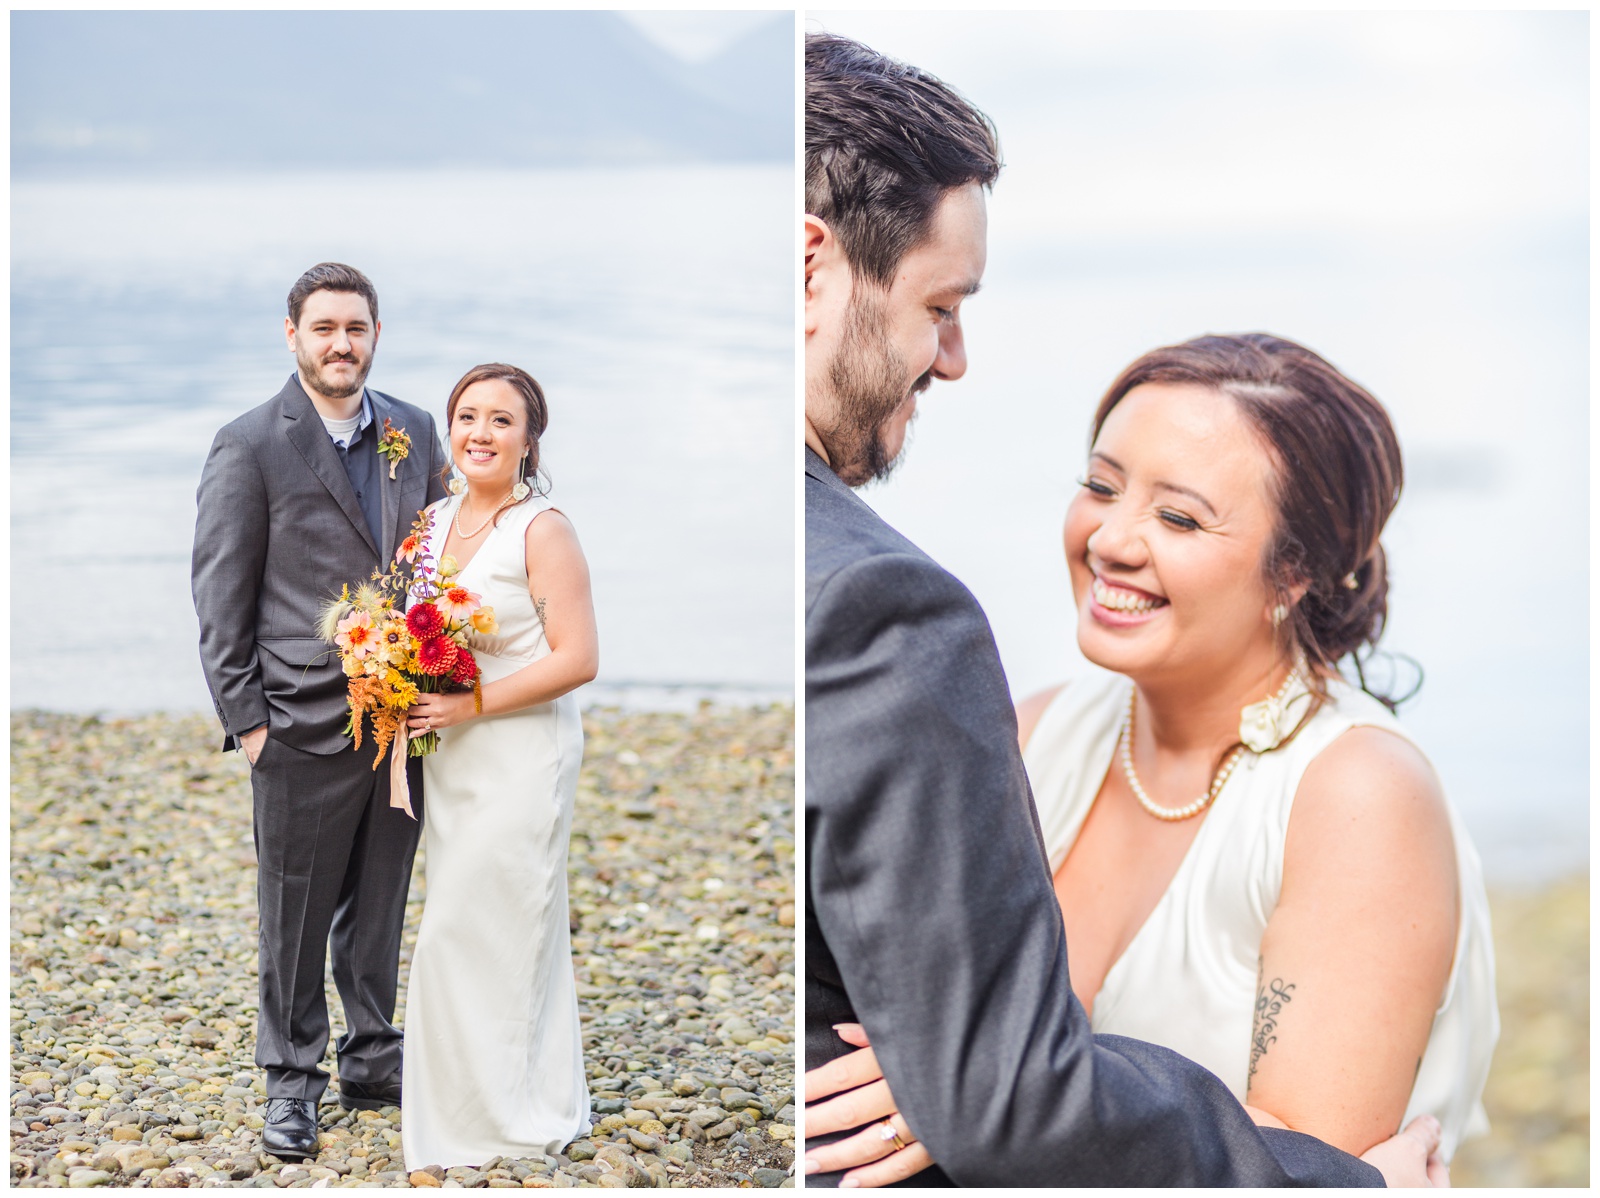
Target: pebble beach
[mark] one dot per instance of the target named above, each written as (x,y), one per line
(1538,1092)
(133,963)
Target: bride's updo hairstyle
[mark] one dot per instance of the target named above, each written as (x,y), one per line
(1337,478)
(538,412)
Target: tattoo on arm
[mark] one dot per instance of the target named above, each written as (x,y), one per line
(1271,998)
(538,607)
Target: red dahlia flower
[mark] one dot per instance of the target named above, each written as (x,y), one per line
(437,655)
(425,620)
(466,668)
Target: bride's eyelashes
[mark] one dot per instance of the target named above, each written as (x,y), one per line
(1172,519)
(1095,487)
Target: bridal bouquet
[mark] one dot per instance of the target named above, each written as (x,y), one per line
(391,654)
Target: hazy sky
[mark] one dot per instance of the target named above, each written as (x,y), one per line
(1259,120)
(147,91)
(697,36)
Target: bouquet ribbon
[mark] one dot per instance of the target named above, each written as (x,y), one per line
(399,788)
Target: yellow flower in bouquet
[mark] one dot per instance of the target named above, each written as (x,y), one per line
(393,645)
(402,692)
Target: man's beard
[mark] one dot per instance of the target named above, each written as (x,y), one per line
(867,377)
(322,384)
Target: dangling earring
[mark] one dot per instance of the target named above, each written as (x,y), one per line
(457,484)
(520,491)
(1279,615)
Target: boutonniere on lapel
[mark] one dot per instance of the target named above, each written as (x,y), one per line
(395,446)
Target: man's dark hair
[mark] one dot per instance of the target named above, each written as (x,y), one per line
(331,276)
(884,143)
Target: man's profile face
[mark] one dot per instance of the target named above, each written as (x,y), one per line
(883,347)
(334,342)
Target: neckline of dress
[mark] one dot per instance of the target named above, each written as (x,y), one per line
(1186,865)
(456,501)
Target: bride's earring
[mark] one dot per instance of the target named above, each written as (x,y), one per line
(521,490)
(1279,615)
(457,484)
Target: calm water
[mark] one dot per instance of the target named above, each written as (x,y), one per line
(655,306)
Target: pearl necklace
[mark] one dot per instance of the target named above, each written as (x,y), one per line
(467,536)
(1172,814)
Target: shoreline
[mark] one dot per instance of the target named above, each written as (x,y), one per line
(640,698)
(134,943)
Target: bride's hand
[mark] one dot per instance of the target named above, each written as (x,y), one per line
(433,712)
(865,1099)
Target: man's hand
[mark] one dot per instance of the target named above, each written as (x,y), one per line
(1410,1158)
(253,741)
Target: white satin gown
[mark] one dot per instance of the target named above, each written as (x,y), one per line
(493,1047)
(1187,980)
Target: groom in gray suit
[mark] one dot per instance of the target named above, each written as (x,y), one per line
(295,501)
(930,914)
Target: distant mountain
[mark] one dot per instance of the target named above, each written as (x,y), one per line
(135,91)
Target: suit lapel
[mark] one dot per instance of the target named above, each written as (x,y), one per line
(388,488)
(404,495)
(309,436)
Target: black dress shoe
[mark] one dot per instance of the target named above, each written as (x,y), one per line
(369,1096)
(291,1129)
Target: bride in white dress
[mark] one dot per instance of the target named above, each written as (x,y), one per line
(1256,865)
(493,1047)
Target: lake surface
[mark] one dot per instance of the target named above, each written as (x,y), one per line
(655,306)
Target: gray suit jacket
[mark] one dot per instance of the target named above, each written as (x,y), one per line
(278,532)
(931,917)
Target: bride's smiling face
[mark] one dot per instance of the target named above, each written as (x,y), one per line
(1166,537)
(489,434)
